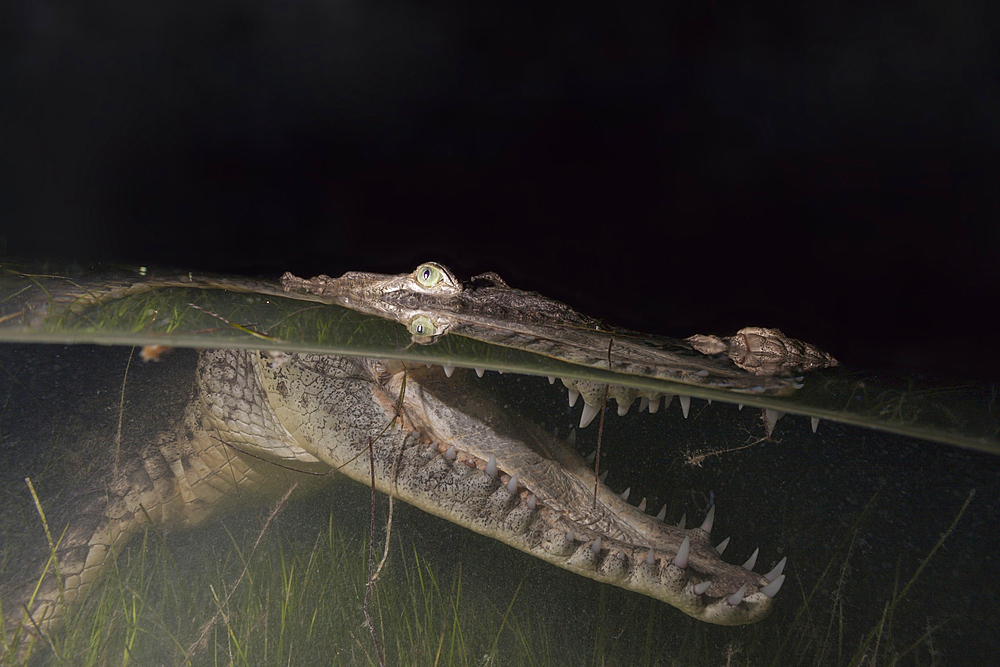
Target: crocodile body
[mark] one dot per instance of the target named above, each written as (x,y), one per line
(436,441)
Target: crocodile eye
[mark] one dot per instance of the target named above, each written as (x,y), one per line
(422,326)
(428,275)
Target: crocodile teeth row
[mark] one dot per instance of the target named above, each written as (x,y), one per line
(511,481)
(642,568)
(489,467)
(662,514)
(707,526)
(593,394)
(593,397)
(645,566)
(625,397)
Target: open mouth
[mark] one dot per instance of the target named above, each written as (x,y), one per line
(484,466)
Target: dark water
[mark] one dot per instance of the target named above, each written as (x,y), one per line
(865,508)
(802,495)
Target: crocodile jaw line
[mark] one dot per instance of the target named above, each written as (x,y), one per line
(549,510)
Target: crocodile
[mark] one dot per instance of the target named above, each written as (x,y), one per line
(431,302)
(426,435)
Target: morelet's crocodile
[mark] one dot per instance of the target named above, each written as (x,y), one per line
(450,451)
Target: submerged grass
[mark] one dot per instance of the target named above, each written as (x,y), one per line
(201,600)
(290,602)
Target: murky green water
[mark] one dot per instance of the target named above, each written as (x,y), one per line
(884,567)
(857,512)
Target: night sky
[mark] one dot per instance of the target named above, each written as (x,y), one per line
(831,171)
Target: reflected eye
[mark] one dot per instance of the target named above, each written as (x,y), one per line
(422,326)
(428,275)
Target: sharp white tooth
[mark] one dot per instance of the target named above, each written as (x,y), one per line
(625,493)
(448,370)
(571,536)
(603,476)
(709,520)
(662,514)
(643,403)
(429,365)
(683,522)
(532,503)
(596,546)
(771,417)
(702,587)
(752,560)
(668,400)
(815,423)
(654,405)
(650,559)
(573,395)
(588,414)
(480,372)
(642,505)
(681,559)
(736,598)
(772,588)
(552,379)
(451,454)
(491,467)
(623,409)
(741,406)
(590,457)
(512,485)
(571,438)
(685,405)
(722,546)
(776,572)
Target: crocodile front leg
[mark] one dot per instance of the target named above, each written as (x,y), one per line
(179,480)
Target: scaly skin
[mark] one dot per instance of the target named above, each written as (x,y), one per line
(449,451)
(431,302)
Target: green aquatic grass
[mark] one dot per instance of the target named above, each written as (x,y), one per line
(290,602)
(297,601)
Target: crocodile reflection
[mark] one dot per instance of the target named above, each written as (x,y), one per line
(432,302)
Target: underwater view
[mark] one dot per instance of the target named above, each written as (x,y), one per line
(840,539)
(710,381)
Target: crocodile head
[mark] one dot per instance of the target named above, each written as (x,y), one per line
(456,453)
(432,438)
(534,492)
(431,302)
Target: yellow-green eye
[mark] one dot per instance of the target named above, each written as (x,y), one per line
(428,275)
(422,326)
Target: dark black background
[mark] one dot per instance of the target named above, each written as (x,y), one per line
(696,167)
